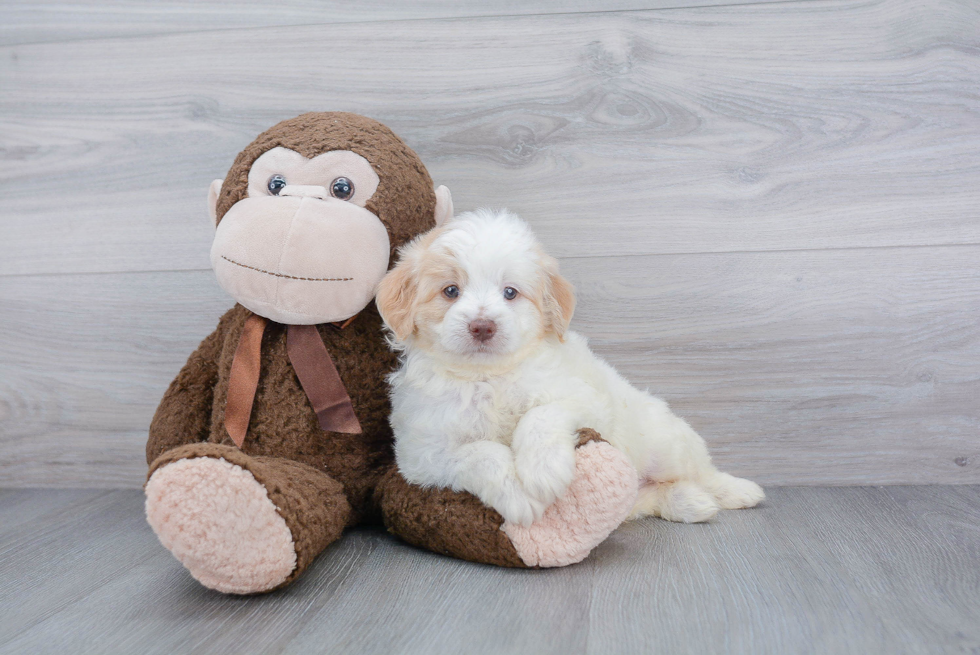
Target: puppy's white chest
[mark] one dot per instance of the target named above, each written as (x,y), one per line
(495,407)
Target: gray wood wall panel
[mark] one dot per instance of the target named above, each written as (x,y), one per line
(772,212)
(91,359)
(841,366)
(763,127)
(45,21)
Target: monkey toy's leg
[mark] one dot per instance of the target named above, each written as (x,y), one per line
(599,498)
(242,524)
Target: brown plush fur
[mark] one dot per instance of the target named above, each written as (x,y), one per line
(404,199)
(419,516)
(283,423)
(319,481)
(313,504)
(447,522)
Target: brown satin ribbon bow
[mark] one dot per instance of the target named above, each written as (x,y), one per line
(314,368)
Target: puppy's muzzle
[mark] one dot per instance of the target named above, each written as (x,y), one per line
(482,329)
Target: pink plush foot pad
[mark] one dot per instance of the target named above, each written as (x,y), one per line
(217,520)
(598,500)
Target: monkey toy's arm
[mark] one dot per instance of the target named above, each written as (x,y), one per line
(456,523)
(184,414)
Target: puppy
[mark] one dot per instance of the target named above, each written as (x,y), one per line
(493,386)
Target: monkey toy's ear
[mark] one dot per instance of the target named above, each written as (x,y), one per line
(213,201)
(444,205)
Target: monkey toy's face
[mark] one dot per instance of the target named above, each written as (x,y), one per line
(310,236)
(301,247)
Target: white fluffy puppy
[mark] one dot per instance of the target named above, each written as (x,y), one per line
(493,387)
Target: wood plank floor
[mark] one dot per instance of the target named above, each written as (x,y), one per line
(814,570)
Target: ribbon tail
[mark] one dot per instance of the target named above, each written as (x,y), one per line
(244,378)
(320,380)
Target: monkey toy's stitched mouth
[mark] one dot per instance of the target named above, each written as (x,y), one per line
(290,277)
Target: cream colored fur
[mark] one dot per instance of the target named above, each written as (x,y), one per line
(499,418)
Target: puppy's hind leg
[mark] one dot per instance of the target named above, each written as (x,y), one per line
(681,501)
(733,493)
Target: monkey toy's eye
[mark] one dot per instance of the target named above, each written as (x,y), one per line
(452,291)
(276,183)
(342,188)
(510,293)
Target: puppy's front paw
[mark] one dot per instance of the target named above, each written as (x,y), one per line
(546,472)
(598,500)
(517,507)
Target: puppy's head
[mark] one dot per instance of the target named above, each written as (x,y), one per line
(478,288)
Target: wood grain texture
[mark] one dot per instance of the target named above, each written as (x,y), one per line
(814,570)
(20,508)
(823,367)
(852,570)
(92,358)
(45,21)
(64,554)
(772,211)
(801,125)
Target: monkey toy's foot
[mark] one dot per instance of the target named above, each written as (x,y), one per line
(599,498)
(217,520)
(242,524)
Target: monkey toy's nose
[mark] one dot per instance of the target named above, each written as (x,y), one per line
(305,191)
(482,330)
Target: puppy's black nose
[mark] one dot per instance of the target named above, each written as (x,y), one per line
(482,330)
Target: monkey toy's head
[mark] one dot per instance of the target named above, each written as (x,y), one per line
(311,213)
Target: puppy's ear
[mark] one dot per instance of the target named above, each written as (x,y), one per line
(559,299)
(396,299)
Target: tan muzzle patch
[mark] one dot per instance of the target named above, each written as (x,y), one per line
(300,260)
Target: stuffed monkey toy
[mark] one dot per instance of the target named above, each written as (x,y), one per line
(274,436)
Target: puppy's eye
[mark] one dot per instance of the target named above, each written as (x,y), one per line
(510,293)
(342,188)
(452,291)
(275,184)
